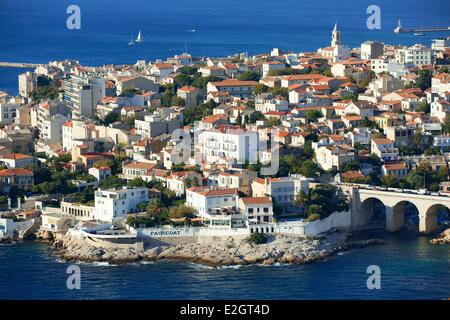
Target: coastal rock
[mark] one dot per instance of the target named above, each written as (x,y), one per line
(278,249)
(444,238)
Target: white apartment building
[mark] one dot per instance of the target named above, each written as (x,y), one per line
(75,133)
(385,84)
(269,102)
(100,173)
(417,55)
(51,129)
(441,141)
(208,203)
(240,179)
(27,83)
(360,135)
(440,83)
(440,109)
(82,93)
(258,210)
(272,65)
(229,143)
(440,44)
(283,191)
(392,67)
(333,157)
(156,124)
(9,109)
(177,181)
(117,203)
(384,149)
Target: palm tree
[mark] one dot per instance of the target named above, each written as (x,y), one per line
(418,139)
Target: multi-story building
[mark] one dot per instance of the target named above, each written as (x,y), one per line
(283,191)
(402,136)
(441,141)
(396,169)
(27,83)
(189,94)
(236,88)
(272,65)
(156,124)
(16,177)
(217,206)
(229,143)
(268,102)
(384,149)
(9,107)
(17,160)
(114,204)
(100,173)
(417,55)
(333,157)
(258,210)
(240,179)
(371,50)
(136,169)
(82,93)
(177,181)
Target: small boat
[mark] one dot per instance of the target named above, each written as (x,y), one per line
(139,38)
(192,30)
(131,43)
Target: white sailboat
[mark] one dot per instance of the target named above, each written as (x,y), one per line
(139,38)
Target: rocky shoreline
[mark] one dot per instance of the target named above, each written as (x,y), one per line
(282,249)
(443,238)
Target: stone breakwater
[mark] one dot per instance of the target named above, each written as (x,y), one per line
(278,249)
(443,238)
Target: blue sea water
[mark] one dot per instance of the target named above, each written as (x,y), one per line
(35,31)
(411,268)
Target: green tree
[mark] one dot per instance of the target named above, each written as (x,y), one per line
(250,76)
(313,115)
(423,106)
(272,121)
(389,181)
(424,80)
(260,88)
(111,118)
(257,238)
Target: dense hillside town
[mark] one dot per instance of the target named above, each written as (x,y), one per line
(238,144)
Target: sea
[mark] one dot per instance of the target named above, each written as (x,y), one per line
(36,32)
(410,268)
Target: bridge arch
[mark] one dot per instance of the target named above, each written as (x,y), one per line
(396,219)
(372,210)
(429,222)
(396,202)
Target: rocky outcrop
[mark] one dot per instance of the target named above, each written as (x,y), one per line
(444,238)
(278,249)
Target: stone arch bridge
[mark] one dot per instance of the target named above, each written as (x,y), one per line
(394,201)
